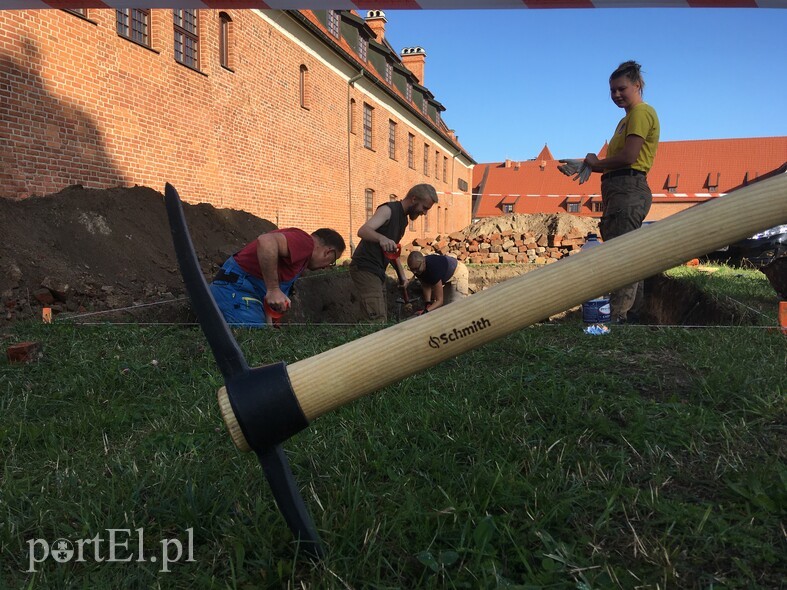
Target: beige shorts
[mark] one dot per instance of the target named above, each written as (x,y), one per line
(457,287)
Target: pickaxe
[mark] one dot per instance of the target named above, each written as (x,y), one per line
(264,406)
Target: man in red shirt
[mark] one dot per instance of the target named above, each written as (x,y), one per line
(264,270)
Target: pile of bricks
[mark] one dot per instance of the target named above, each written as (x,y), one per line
(503,247)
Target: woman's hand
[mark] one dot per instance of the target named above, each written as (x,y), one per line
(592,160)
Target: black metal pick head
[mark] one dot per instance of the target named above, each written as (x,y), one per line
(228,355)
(262,399)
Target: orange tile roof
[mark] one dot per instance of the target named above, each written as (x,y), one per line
(697,162)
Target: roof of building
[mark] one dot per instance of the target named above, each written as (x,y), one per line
(692,168)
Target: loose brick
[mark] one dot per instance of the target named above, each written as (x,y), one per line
(24,352)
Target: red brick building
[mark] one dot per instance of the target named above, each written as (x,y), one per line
(306,118)
(684,173)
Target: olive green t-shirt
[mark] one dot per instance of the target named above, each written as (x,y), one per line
(641,120)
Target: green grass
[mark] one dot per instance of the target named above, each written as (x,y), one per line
(645,458)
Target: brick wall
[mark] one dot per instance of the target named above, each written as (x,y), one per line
(80,104)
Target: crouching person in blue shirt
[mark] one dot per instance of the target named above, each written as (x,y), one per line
(263,272)
(443,278)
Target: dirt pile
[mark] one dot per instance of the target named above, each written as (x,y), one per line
(83,250)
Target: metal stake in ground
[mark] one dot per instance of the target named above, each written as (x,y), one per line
(270,404)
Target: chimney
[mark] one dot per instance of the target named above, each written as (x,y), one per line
(414,59)
(376,21)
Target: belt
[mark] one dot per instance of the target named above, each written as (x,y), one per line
(623,172)
(229,277)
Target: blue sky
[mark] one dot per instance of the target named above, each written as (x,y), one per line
(513,80)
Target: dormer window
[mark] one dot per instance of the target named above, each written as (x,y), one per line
(363,47)
(672,183)
(408,93)
(424,105)
(712,184)
(333,23)
(388,71)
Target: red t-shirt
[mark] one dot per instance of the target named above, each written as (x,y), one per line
(300,245)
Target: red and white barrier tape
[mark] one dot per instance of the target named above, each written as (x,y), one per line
(363,5)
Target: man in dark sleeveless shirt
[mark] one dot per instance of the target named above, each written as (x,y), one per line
(381,233)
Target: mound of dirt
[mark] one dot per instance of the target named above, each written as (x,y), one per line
(535,223)
(83,250)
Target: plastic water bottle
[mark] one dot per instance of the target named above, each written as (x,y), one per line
(595,311)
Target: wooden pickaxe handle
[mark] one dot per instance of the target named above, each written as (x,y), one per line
(336,377)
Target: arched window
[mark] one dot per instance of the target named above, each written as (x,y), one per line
(304,86)
(369,203)
(225,40)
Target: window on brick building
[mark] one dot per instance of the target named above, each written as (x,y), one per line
(426,159)
(186,37)
(78,11)
(134,24)
(596,206)
(363,47)
(437,165)
(368,112)
(333,23)
(412,225)
(225,40)
(508,208)
(445,168)
(369,203)
(572,207)
(305,89)
(462,185)
(426,222)
(411,150)
(391,139)
(352,115)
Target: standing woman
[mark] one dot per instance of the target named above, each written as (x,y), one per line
(624,187)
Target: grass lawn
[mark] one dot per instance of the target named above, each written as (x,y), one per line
(644,458)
